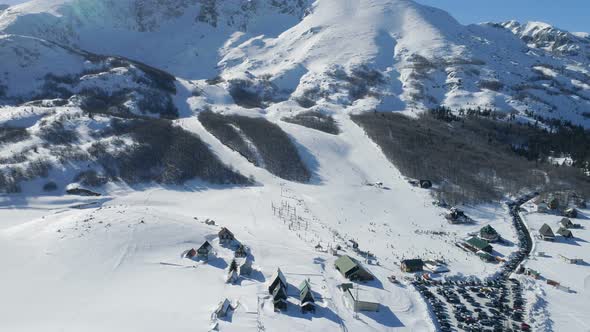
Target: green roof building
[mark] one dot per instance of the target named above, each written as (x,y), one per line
(489,234)
(546,233)
(486,257)
(565,232)
(351,269)
(567,223)
(306,299)
(279,298)
(277,280)
(477,244)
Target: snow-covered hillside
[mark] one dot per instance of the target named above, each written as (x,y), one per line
(359,54)
(551,261)
(110,96)
(118,256)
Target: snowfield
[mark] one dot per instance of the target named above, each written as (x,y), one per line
(73,72)
(120,258)
(557,309)
(390,55)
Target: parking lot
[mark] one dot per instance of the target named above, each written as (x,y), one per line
(473,306)
(493,305)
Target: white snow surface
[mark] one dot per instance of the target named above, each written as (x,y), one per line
(113,263)
(555,309)
(425,57)
(84,265)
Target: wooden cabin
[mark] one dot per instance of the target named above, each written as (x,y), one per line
(191,253)
(225,235)
(546,233)
(279,298)
(565,232)
(489,234)
(412,265)
(277,280)
(351,269)
(204,250)
(306,298)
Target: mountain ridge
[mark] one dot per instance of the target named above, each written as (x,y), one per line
(313,52)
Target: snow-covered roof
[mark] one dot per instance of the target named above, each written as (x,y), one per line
(546,230)
(223,307)
(279,274)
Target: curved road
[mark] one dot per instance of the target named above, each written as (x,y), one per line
(525,243)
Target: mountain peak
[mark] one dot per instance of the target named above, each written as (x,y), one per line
(544,36)
(394,55)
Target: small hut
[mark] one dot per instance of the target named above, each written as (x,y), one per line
(204,249)
(225,235)
(412,265)
(368,302)
(565,232)
(571,213)
(572,260)
(435,267)
(456,216)
(279,298)
(306,299)
(489,234)
(546,233)
(277,280)
(566,223)
(486,256)
(351,269)
(532,273)
(223,309)
(190,253)
(241,251)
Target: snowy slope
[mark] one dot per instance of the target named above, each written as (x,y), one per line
(103,261)
(548,301)
(183,36)
(113,262)
(544,36)
(26,61)
(359,54)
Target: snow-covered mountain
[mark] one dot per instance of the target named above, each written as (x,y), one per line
(546,37)
(180,112)
(361,54)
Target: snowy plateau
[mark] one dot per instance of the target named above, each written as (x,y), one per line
(132,131)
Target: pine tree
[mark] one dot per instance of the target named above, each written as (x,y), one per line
(233,266)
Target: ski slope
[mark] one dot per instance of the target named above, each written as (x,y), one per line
(116,265)
(113,263)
